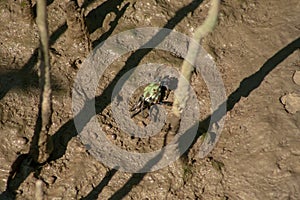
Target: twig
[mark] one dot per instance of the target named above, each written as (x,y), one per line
(45,98)
(182,92)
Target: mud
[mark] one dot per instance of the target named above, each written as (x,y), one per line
(256,48)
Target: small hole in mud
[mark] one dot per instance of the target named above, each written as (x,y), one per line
(113,136)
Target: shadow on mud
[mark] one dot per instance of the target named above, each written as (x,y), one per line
(68,130)
(113,25)
(247,85)
(95,18)
(15,79)
(98,189)
(26,75)
(23,166)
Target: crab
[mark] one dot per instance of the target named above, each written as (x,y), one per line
(154,93)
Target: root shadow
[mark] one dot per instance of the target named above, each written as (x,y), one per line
(68,130)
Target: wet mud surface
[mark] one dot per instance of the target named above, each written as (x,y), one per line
(256,49)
